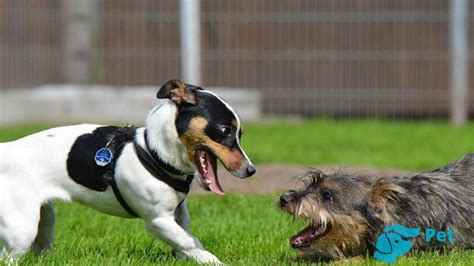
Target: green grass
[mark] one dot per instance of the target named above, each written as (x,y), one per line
(405,145)
(250,230)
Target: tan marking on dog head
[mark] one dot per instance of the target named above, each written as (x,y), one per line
(235,125)
(194,137)
(232,159)
(177,91)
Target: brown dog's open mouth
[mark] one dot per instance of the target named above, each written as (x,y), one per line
(206,163)
(307,236)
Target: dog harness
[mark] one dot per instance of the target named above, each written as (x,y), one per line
(160,169)
(150,160)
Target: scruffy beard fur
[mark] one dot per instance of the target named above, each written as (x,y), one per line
(355,210)
(345,236)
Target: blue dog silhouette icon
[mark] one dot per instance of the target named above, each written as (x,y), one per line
(392,243)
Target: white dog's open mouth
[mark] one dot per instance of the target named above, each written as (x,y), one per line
(206,163)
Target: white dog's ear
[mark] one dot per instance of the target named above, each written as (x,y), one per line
(178,92)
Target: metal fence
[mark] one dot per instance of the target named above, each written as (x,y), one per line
(375,58)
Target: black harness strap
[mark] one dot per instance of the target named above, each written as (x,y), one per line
(116,144)
(121,200)
(168,168)
(159,173)
(150,160)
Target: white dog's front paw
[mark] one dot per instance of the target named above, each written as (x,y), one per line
(7,259)
(200,255)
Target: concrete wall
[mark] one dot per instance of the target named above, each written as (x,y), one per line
(67,104)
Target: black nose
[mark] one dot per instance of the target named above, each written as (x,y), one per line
(285,199)
(251,170)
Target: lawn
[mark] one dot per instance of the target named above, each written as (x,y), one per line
(405,145)
(250,230)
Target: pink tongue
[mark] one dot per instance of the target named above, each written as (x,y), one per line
(211,176)
(302,238)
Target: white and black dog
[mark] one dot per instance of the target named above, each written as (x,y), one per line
(122,171)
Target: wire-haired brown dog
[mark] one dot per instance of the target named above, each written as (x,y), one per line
(347,213)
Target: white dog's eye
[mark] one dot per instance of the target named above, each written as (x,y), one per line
(225,131)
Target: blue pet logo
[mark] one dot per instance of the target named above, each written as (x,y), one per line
(392,243)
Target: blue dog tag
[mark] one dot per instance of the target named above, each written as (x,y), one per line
(103,157)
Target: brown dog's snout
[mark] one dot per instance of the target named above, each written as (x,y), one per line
(284,200)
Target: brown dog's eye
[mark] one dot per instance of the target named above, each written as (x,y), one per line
(327,196)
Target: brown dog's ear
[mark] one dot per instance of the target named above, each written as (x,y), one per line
(178,92)
(383,195)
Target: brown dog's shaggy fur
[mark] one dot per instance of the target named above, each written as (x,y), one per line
(347,213)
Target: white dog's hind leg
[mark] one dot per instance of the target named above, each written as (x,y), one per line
(45,237)
(185,245)
(19,233)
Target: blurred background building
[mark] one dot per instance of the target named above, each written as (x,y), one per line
(337,58)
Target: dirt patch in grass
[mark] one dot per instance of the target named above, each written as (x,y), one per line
(274,178)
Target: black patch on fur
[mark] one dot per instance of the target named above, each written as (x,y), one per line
(215,112)
(81,165)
